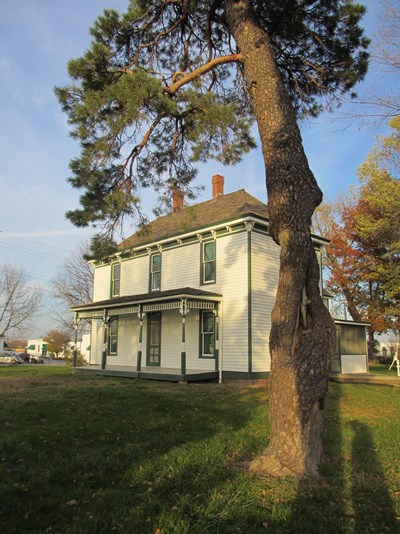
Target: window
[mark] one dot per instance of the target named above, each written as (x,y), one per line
(113,336)
(115,279)
(208,263)
(207,335)
(155,272)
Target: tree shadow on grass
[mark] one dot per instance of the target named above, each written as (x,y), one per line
(320,506)
(353,495)
(123,456)
(117,455)
(369,486)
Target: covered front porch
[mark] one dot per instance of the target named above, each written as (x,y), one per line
(132,311)
(151,373)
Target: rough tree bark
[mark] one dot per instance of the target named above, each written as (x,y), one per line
(302,333)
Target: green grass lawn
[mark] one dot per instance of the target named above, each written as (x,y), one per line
(379,369)
(85,454)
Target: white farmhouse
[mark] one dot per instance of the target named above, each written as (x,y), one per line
(190,295)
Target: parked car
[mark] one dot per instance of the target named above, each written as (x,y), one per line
(10,358)
(36,358)
(25,356)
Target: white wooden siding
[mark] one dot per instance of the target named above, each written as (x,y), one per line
(135,276)
(101,284)
(96,342)
(264,277)
(181,267)
(231,282)
(193,360)
(128,337)
(170,339)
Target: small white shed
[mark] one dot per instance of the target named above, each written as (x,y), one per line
(351,354)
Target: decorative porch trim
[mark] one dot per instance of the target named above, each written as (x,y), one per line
(123,311)
(181,299)
(201,305)
(161,307)
(90,315)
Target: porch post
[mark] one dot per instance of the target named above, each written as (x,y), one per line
(183,311)
(105,339)
(75,341)
(216,338)
(139,354)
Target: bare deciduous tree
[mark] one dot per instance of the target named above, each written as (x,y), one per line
(378,104)
(73,285)
(19,302)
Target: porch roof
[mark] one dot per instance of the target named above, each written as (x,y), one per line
(154,297)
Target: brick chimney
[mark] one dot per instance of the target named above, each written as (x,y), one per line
(217,185)
(177,199)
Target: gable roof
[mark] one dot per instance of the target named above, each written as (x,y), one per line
(221,208)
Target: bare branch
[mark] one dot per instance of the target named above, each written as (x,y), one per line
(19,303)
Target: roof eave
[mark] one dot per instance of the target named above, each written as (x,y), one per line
(214,297)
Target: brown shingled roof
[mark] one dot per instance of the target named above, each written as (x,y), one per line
(222,208)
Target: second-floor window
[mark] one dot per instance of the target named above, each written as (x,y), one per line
(115,279)
(155,272)
(208,268)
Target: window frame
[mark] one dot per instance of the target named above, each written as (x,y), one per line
(203,333)
(112,336)
(115,281)
(204,263)
(153,272)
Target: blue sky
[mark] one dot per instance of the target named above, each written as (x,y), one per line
(37,38)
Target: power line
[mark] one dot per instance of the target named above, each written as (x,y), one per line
(40,289)
(34,277)
(36,243)
(43,255)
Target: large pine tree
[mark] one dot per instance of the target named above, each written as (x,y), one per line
(174,82)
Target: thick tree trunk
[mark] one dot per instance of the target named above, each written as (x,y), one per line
(302,333)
